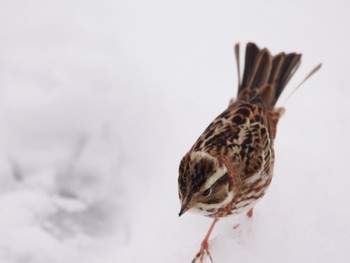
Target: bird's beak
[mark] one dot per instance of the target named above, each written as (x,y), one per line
(185,206)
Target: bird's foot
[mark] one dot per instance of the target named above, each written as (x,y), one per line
(249,214)
(202,252)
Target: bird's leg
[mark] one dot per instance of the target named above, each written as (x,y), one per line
(250,213)
(205,246)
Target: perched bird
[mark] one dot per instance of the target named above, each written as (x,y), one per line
(230,166)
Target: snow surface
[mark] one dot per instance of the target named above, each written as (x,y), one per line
(99,100)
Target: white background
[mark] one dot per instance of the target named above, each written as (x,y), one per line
(99,101)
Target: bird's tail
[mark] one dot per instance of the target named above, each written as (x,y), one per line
(265,76)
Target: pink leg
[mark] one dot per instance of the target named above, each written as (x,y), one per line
(204,246)
(250,213)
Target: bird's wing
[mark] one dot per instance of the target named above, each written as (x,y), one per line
(240,138)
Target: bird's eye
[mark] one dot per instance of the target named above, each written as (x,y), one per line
(207,192)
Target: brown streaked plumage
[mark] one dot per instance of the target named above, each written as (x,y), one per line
(230,166)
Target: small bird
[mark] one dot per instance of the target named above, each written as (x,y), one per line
(229,168)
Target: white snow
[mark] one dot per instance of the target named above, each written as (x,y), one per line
(99,101)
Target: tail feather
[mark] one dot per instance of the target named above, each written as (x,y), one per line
(278,61)
(291,64)
(251,54)
(262,69)
(266,75)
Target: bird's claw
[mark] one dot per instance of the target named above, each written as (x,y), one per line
(202,252)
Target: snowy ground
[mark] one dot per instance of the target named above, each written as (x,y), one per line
(99,100)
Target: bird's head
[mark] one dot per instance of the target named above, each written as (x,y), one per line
(204,184)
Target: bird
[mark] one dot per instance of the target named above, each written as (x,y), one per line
(230,167)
